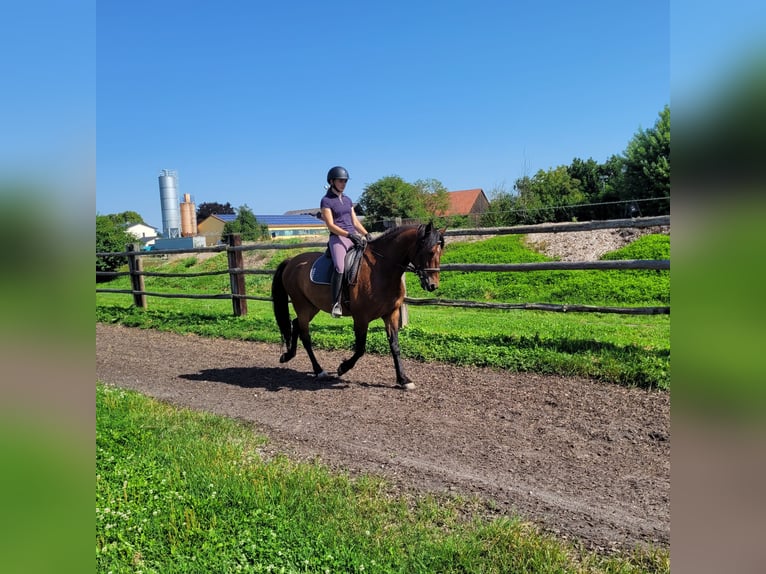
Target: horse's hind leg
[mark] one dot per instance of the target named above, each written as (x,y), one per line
(290,353)
(302,330)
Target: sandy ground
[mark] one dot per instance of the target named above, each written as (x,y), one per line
(585,460)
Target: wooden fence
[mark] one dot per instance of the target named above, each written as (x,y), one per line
(237,272)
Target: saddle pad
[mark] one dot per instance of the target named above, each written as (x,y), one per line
(322,270)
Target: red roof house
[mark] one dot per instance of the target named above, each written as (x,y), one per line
(466,202)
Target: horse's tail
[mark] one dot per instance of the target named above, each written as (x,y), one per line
(280,300)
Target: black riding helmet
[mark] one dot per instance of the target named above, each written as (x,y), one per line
(337,172)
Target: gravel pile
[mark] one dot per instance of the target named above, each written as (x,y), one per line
(587,245)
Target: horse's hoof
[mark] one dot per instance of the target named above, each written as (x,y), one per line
(285,357)
(408,386)
(322,375)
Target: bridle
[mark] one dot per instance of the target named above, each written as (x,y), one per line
(421,272)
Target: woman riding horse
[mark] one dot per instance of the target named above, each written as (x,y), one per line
(340,218)
(378,292)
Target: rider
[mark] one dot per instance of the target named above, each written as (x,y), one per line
(345,228)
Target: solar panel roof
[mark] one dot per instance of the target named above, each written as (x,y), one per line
(276,219)
(288,220)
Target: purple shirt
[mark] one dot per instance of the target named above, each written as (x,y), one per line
(341,208)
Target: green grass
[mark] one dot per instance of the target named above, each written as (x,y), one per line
(631,350)
(182,491)
(629,288)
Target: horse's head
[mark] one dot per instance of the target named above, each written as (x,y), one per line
(428,254)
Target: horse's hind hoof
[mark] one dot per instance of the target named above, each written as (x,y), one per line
(408,386)
(322,375)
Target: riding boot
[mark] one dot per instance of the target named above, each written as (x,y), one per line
(335,285)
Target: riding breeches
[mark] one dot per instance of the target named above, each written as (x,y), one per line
(338,248)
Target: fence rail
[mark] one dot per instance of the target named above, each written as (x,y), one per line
(239,296)
(638,222)
(542,307)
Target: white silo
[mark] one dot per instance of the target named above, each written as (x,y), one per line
(171,213)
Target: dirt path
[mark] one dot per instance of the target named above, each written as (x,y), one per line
(584,460)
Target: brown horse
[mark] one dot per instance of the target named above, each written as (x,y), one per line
(378,292)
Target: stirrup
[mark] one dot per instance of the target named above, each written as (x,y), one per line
(337,310)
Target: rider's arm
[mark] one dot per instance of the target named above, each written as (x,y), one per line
(330,223)
(357,224)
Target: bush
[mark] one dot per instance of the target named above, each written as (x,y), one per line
(110,237)
(247,226)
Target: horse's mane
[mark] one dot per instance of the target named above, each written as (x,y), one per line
(392,232)
(432,239)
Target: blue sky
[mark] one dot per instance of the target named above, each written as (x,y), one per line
(252,102)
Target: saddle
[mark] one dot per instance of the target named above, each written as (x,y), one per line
(322,269)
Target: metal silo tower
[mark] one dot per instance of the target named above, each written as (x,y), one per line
(188,217)
(171,213)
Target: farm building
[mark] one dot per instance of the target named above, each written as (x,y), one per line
(317,213)
(467,202)
(280,226)
(146,234)
(312,211)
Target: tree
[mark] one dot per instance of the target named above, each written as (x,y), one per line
(646,167)
(385,199)
(610,176)
(246,225)
(126,217)
(546,195)
(501,210)
(433,199)
(205,210)
(599,183)
(391,197)
(587,172)
(110,237)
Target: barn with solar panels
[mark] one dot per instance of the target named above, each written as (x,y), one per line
(280,226)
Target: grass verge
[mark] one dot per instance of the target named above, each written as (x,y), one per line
(182,491)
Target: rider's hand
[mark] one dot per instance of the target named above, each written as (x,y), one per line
(368,237)
(355,238)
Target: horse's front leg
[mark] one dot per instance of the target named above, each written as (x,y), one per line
(360,346)
(392,330)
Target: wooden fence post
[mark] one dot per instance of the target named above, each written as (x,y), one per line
(236,261)
(136,266)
